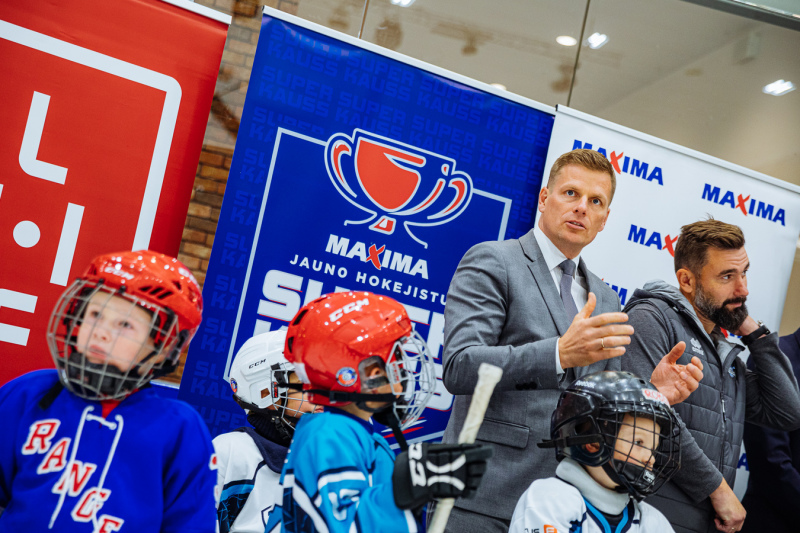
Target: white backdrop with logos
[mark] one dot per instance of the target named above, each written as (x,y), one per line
(662,186)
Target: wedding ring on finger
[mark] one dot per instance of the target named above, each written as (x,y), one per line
(602,344)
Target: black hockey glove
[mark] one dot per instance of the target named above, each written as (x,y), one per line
(431,471)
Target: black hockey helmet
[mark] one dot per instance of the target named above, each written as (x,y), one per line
(592,410)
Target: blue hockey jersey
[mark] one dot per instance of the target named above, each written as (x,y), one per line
(146,467)
(338,478)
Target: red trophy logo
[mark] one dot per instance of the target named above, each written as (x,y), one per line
(391,180)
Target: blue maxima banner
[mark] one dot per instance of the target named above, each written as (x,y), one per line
(357,168)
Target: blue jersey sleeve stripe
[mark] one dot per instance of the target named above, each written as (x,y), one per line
(236,489)
(338,469)
(353,475)
(301,498)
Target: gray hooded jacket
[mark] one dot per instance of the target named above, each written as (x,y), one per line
(715,413)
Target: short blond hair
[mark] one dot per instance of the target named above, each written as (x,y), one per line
(588,159)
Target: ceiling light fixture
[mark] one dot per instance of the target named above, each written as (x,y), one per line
(499,86)
(596,40)
(777,88)
(403,3)
(566,40)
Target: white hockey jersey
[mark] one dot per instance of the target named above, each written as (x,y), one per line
(248,490)
(573,502)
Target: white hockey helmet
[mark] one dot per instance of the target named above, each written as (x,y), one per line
(260,374)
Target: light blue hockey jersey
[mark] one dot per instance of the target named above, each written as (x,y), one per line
(338,478)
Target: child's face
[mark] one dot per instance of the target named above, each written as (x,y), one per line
(115,330)
(634,445)
(375,371)
(297,403)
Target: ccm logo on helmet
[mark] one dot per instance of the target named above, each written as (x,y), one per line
(118,272)
(257,363)
(655,395)
(349,308)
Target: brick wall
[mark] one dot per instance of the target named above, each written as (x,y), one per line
(223,124)
(220,136)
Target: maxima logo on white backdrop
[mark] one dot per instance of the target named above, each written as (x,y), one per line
(662,187)
(746,204)
(625,164)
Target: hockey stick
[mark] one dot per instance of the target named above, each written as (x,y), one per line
(488,377)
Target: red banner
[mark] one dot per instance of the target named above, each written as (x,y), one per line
(104,109)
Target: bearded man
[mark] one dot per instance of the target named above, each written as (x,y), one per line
(711,268)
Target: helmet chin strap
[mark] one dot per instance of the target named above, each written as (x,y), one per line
(623,479)
(609,469)
(259,416)
(384,415)
(387,417)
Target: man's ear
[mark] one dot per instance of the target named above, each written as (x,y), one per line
(592,447)
(542,198)
(687,281)
(603,225)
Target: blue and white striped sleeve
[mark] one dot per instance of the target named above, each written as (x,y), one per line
(341,482)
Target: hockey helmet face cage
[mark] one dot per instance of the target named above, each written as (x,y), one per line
(330,337)
(260,377)
(632,431)
(123,322)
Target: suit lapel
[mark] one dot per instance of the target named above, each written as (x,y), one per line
(544,281)
(604,305)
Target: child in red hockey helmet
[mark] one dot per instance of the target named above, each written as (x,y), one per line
(90,447)
(358,355)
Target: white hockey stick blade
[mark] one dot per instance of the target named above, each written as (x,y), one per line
(488,377)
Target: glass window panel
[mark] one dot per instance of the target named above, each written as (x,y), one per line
(340,15)
(511,42)
(694,76)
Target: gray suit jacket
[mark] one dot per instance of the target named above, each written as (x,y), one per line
(504,308)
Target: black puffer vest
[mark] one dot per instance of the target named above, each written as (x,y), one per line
(715,412)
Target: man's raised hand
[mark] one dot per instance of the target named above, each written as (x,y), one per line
(675,381)
(593,338)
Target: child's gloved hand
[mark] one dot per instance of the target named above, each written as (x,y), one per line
(432,471)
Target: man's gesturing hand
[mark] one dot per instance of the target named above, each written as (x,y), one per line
(593,338)
(675,381)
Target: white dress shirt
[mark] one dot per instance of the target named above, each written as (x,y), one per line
(553,257)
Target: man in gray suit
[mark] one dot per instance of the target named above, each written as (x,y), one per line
(515,304)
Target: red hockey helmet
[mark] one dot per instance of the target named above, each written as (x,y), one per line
(330,336)
(123,284)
